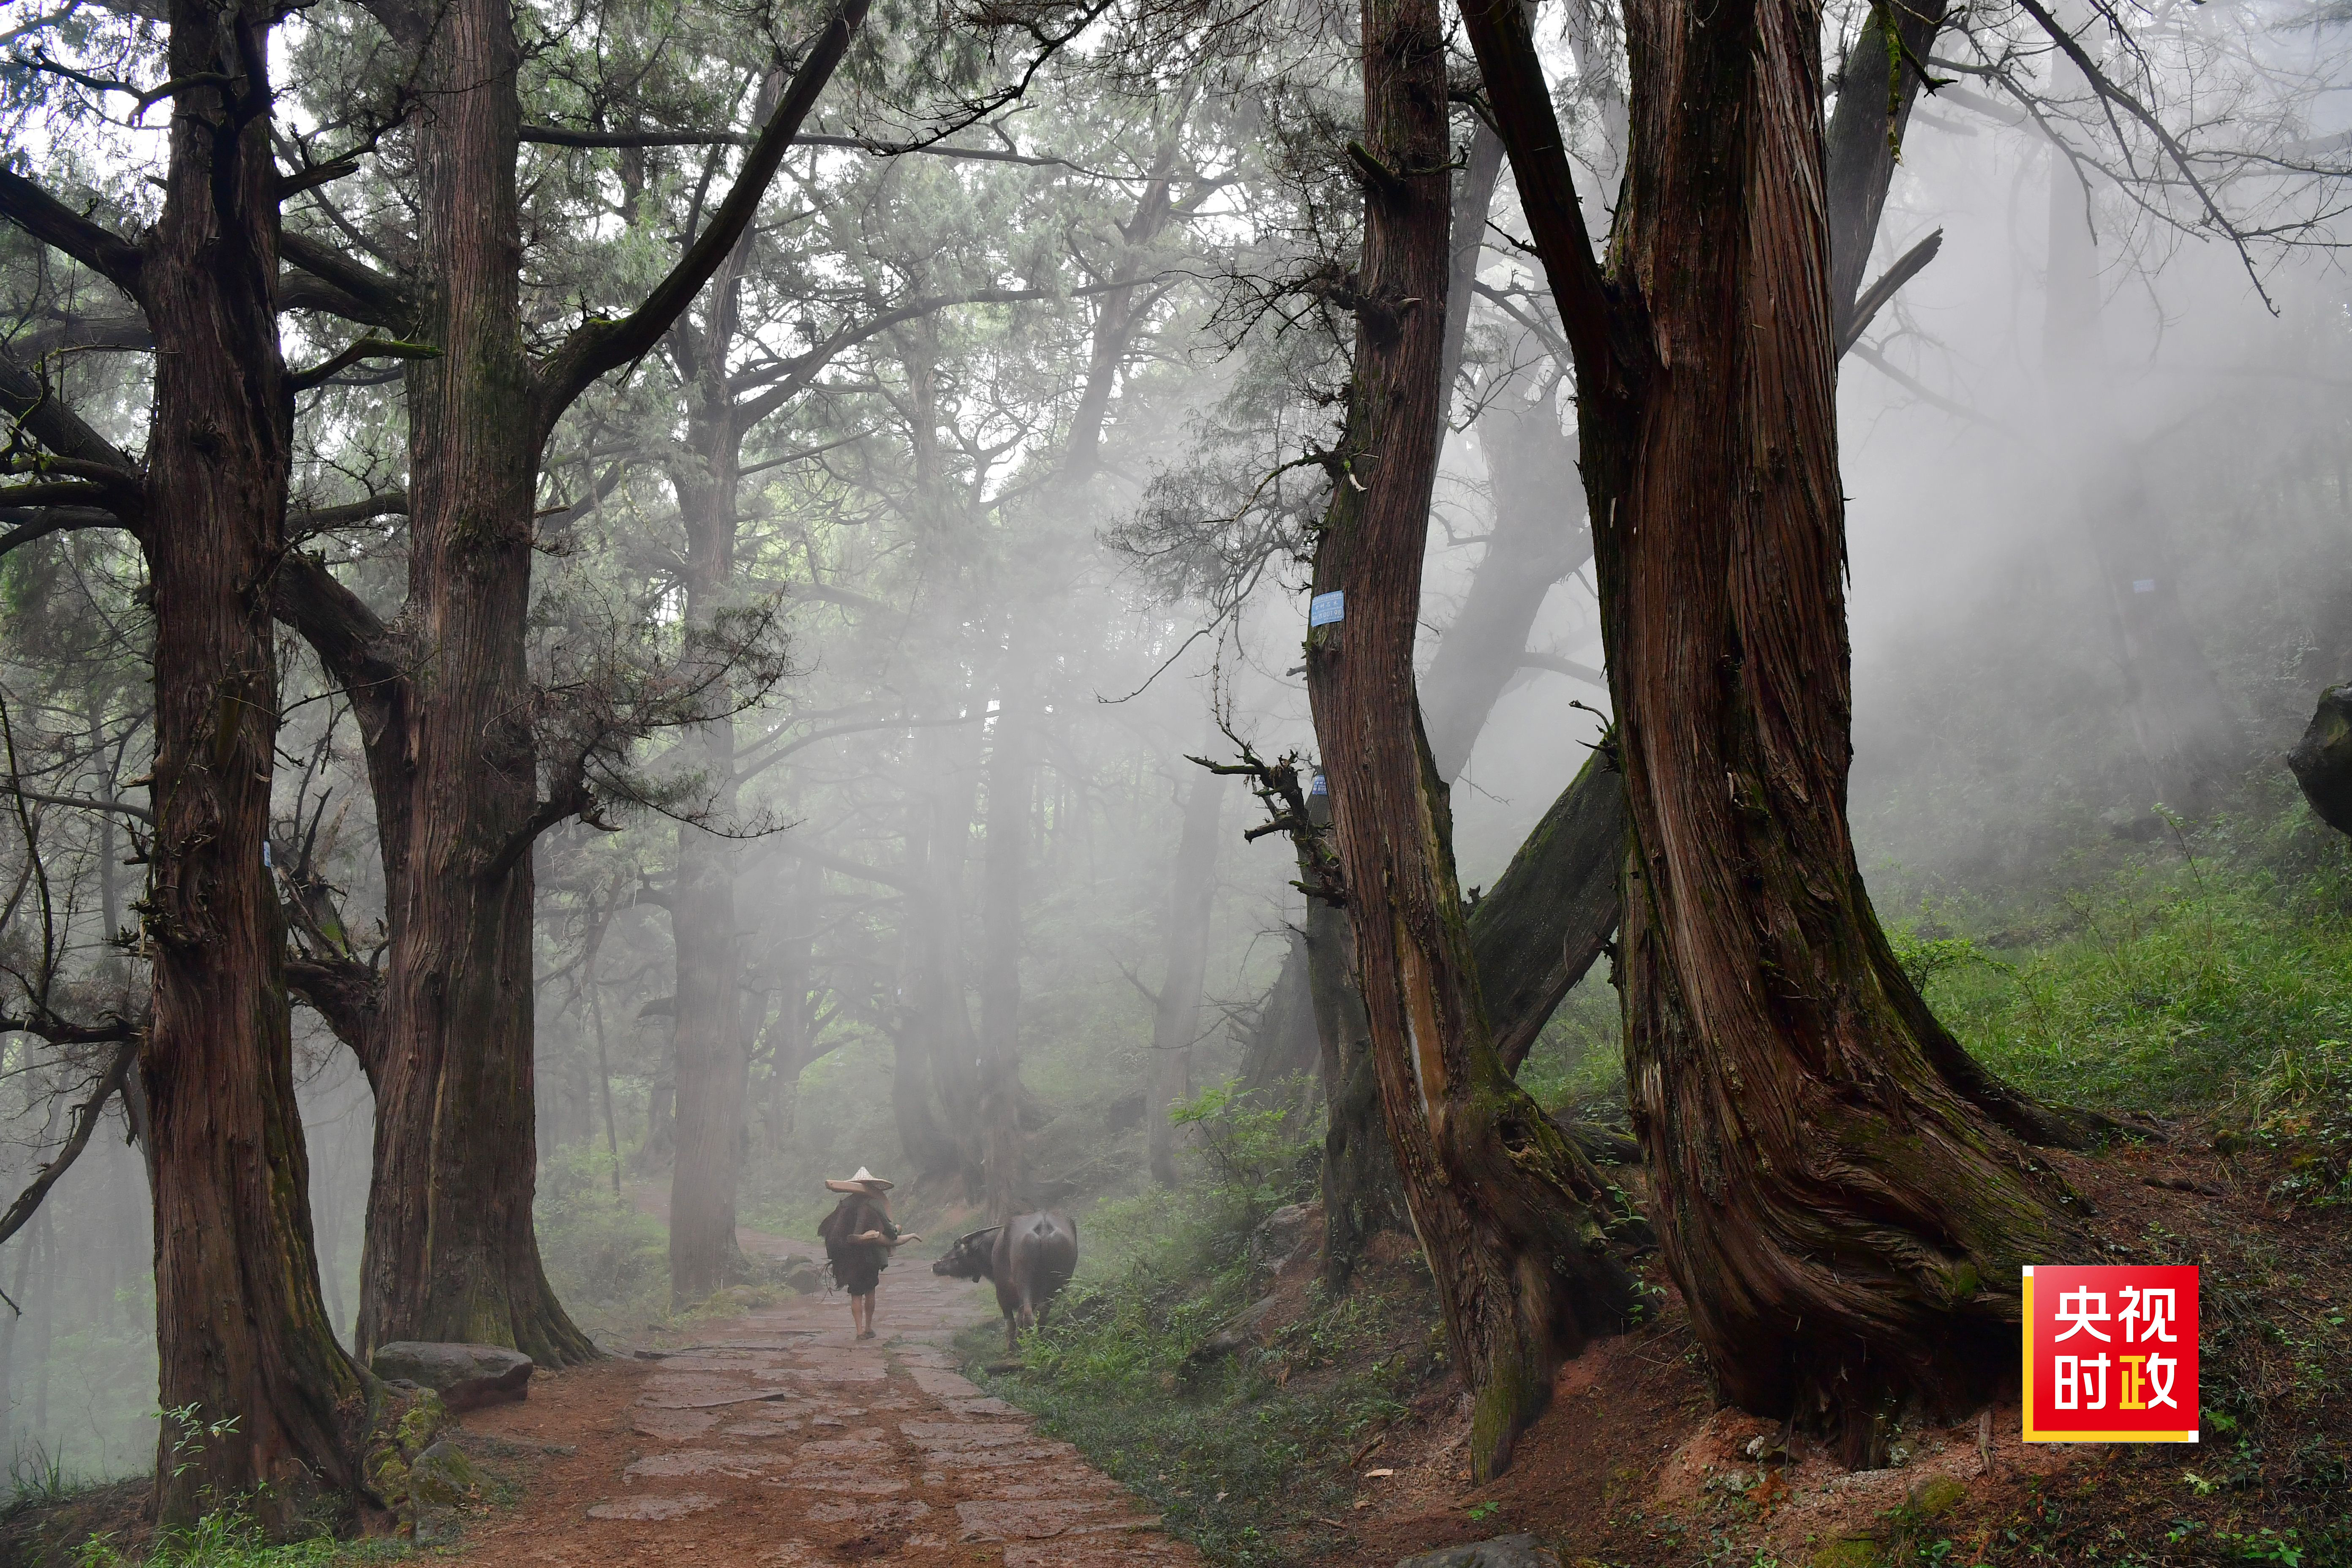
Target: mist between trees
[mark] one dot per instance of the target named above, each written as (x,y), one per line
(610,610)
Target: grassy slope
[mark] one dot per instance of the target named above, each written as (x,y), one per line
(2206,976)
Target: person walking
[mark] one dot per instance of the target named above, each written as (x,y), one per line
(859,1235)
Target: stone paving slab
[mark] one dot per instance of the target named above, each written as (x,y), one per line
(829,1450)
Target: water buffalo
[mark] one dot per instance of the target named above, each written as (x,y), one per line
(1028,1261)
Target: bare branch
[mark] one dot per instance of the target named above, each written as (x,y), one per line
(85,1121)
(1873,299)
(2105,86)
(80,803)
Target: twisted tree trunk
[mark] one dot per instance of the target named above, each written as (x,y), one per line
(1846,1222)
(1511,1216)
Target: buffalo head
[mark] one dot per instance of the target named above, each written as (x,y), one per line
(971,1257)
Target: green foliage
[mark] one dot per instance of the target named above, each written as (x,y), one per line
(1579,1060)
(38,1477)
(2172,985)
(229,1538)
(608,1260)
(1259,1156)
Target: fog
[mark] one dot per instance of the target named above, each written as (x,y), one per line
(925,555)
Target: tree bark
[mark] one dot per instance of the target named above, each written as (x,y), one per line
(1509,1215)
(255,1390)
(1362,1194)
(451,1253)
(1540,927)
(1176,1017)
(1846,1224)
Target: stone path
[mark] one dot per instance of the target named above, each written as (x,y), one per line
(781,1441)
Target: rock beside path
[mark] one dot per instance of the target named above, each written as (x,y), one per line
(467,1377)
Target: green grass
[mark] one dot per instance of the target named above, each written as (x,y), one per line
(608,1261)
(1232,1450)
(226,1539)
(2202,986)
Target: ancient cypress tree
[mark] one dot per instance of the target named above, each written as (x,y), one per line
(1513,1218)
(260,1401)
(1840,1194)
(454,761)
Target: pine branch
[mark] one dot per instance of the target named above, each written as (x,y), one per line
(602,346)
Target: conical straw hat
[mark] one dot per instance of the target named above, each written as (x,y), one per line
(864,1181)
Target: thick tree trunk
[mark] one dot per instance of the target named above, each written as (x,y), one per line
(1540,927)
(1363,1195)
(1509,1215)
(256,1393)
(1176,1019)
(1010,787)
(451,1252)
(1847,1226)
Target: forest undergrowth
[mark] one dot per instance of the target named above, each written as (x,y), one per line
(2201,977)
(1145,1364)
